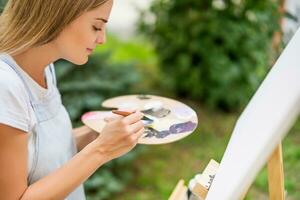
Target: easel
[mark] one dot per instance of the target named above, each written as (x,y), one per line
(275,162)
(276,175)
(275,179)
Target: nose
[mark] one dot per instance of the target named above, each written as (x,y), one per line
(101,38)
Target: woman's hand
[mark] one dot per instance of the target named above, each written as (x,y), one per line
(120,135)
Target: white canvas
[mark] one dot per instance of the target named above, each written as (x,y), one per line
(265,121)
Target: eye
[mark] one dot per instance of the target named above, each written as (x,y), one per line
(97,29)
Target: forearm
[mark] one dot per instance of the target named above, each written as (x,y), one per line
(64,180)
(83,136)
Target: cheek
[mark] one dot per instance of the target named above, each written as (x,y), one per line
(75,42)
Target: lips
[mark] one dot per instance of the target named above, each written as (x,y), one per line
(90,50)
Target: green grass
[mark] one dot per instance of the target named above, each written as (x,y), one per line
(158,168)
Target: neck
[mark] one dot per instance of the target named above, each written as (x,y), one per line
(34,61)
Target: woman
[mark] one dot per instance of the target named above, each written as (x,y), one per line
(38,148)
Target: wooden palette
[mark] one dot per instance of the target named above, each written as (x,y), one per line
(172,120)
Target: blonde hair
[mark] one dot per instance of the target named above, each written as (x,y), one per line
(29,23)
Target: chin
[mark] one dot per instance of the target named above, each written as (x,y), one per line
(79,60)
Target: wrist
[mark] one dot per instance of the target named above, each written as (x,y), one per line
(96,151)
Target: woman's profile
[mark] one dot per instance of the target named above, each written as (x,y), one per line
(41,155)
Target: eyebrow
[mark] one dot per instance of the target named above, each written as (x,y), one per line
(102,19)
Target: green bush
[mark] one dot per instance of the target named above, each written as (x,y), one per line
(111,178)
(213,51)
(2,4)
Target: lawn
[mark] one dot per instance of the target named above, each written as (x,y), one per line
(158,168)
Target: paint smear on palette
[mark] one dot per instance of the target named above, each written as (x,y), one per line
(184,113)
(180,128)
(158,113)
(128,105)
(164,124)
(96,115)
(155,105)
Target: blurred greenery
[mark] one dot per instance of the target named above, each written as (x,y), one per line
(140,52)
(2,4)
(214,51)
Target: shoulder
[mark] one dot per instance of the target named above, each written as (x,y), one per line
(12,89)
(9,80)
(13,99)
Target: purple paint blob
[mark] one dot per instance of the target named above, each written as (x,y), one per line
(174,129)
(182,127)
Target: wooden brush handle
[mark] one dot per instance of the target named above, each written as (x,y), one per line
(123,113)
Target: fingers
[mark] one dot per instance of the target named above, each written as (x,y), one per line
(133,128)
(130,140)
(124,132)
(121,137)
(133,118)
(139,133)
(136,136)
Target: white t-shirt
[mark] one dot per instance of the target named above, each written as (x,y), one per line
(14,108)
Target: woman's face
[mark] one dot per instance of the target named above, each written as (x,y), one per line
(78,40)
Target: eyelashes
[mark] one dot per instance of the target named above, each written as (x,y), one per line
(97,29)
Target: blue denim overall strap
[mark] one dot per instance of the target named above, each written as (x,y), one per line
(38,111)
(52,70)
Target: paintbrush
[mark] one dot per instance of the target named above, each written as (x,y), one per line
(147,121)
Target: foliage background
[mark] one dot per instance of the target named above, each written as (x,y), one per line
(217,51)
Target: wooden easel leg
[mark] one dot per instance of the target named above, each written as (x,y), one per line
(179,192)
(276,175)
